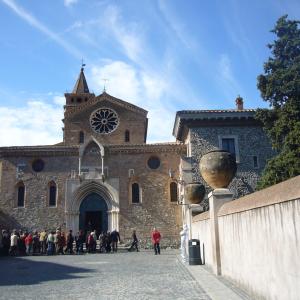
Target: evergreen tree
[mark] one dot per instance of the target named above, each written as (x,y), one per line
(280,86)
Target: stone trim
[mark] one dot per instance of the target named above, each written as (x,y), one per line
(201,217)
(105,96)
(197,118)
(74,150)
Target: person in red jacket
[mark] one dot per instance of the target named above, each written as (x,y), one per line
(156,237)
(28,243)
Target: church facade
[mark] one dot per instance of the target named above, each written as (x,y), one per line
(103,175)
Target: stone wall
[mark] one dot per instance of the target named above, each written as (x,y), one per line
(36,213)
(155,208)
(259,241)
(76,121)
(251,140)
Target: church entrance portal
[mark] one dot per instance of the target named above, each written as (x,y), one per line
(93,214)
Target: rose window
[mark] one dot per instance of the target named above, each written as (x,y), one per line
(104,120)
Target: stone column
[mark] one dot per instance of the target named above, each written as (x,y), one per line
(72,221)
(216,199)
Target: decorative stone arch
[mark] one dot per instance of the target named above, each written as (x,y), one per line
(82,148)
(87,188)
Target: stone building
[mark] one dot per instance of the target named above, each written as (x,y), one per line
(103,175)
(236,131)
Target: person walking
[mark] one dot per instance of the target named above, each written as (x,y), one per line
(115,238)
(156,237)
(134,243)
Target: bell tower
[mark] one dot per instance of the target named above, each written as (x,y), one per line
(81,92)
(80,96)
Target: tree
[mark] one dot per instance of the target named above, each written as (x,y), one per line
(280,86)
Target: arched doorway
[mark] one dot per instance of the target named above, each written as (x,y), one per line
(93,213)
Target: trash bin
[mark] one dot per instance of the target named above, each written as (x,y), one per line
(194,252)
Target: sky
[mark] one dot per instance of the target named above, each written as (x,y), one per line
(162,55)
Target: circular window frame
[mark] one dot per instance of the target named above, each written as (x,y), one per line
(153,157)
(99,109)
(37,168)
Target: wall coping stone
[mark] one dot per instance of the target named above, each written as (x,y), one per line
(282,192)
(201,217)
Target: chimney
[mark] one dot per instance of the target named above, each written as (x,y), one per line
(239,103)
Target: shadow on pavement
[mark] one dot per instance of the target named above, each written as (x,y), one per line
(21,271)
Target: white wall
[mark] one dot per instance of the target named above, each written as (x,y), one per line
(259,241)
(260,250)
(201,231)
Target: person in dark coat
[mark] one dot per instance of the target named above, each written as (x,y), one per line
(70,240)
(79,242)
(134,243)
(115,238)
(5,242)
(107,242)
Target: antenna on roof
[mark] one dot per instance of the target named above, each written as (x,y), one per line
(105,80)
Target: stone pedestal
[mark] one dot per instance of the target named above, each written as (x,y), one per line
(216,199)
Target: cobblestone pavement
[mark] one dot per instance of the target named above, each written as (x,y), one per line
(123,275)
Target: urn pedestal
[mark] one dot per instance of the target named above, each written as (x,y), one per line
(217,168)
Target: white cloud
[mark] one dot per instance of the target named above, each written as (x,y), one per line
(141,88)
(127,35)
(228,82)
(31,20)
(37,123)
(59,100)
(177,26)
(68,3)
(122,82)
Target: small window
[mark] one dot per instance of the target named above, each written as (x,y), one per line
(52,193)
(38,165)
(228,145)
(85,99)
(127,136)
(79,100)
(81,137)
(173,192)
(135,193)
(255,162)
(21,194)
(72,100)
(153,162)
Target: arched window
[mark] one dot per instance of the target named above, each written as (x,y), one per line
(81,137)
(21,194)
(52,193)
(127,136)
(173,192)
(135,193)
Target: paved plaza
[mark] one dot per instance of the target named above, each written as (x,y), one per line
(123,275)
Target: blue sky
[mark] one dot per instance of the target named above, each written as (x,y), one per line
(164,56)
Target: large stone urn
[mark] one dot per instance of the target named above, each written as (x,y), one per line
(217,168)
(194,192)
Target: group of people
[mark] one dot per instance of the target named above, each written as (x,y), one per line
(57,242)
(20,242)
